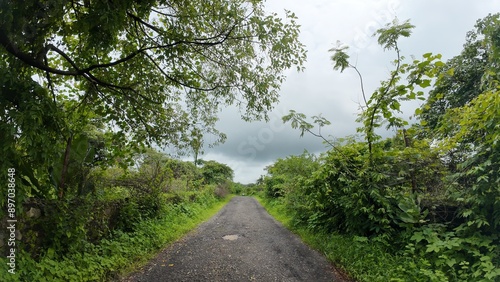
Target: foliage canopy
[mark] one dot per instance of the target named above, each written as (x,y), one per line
(125,74)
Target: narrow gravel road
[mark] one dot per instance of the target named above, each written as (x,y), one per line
(241,243)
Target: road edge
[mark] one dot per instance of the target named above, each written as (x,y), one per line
(340,272)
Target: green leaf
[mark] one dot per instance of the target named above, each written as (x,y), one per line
(388,36)
(417,237)
(425,83)
(340,57)
(433,248)
(439,64)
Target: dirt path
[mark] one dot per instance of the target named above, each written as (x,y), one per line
(241,243)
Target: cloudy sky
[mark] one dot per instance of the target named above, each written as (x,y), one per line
(440,28)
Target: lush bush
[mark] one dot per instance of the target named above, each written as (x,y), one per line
(284,174)
(123,248)
(430,195)
(86,235)
(215,173)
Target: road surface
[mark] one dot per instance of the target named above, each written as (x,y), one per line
(240,243)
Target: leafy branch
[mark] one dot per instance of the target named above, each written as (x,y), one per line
(341,60)
(298,120)
(384,96)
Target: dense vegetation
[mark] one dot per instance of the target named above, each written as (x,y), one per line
(87,88)
(127,218)
(424,204)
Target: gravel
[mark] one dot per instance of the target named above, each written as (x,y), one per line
(240,243)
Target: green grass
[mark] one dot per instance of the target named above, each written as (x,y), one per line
(361,258)
(122,253)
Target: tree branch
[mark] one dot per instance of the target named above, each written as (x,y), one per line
(14,50)
(175,80)
(386,91)
(137,19)
(49,81)
(362,84)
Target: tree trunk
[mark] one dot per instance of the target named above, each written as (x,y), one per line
(64,172)
(412,173)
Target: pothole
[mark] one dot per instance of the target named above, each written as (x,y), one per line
(230,237)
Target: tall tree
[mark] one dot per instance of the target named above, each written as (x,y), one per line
(461,79)
(142,67)
(472,131)
(216,173)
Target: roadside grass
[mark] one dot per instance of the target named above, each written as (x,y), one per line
(361,258)
(123,252)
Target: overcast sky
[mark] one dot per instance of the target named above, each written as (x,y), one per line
(440,28)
